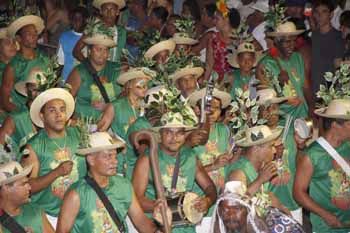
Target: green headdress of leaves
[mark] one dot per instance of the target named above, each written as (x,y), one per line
(186,27)
(246,113)
(275,16)
(337,87)
(95,26)
(240,35)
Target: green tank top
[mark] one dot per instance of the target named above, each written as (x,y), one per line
(93,216)
(295,69)
(239,82)
(30,219)
(329,187)
(89,93)
(22,67)
(116,52)
(2,69)
(51,153)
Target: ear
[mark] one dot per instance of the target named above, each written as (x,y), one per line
(90,159)
(41,115)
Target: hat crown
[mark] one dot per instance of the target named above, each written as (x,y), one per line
(100,139)
(286,27)
(266,95)
(9,169)
(257,133)
(261,5)
(246,47)
(171,118)
(338,107)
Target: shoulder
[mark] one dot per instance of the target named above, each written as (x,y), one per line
(37,138)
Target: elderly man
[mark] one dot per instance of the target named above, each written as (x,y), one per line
(85,209)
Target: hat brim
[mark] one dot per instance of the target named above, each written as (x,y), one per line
(46,96)
(279,34)
(187,128)
(25,21)
(3,33)
(161,46)
(18,176)
(198,95)
(321,112)
(100,40)
(185,40)
(20,87)
(274,134)
(86,151)
(195,71)
(232,59)
(130,75)
(275,100)
(98,3)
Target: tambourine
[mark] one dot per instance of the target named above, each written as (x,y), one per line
(303,127)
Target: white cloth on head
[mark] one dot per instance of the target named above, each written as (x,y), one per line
(259,35)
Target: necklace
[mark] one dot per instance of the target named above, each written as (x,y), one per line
(64,145)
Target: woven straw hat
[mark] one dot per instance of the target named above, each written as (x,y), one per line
(259,135)
(172,120)
(198,95)
(98,3)
(134,73)
(337,109)
(161,46)
(25,21)
(269,96)
(195,71)
(183,38)
(99,39)
(101,141)
(285,29)
(12,171)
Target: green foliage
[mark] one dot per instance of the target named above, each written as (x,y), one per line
(84,126)
(95,26)
(261,201)
(275,16)
(240,35)
(139,61)
(186,27)
(51,76)
(146,39)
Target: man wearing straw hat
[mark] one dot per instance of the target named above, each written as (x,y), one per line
(171,151)
(26,30)
(160,51)
(109,10)
(52,151)
(322,181)
(84,211)
(15,207)
(185,79)
(184,36)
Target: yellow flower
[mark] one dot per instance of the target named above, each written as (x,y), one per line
(222,7)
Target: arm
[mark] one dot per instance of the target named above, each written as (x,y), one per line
(47,228)
(8,128)
(77,51)
(275,202)
(6,88)
(69,211)
(75,81)
(139,219)
(203,41)
(140,181)
(107,118)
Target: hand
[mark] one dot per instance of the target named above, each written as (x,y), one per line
(283,77)
(197,137)
(157,211)
(267,172)
(64,168)
(202,204)
(106,119)
(301,142)
(294,101)
(332,220)
(221,161)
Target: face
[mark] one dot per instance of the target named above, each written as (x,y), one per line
(344,31)
(28,37)
(267,151)
(215,111)
(162,57)
(8,48)
(271,114)
(109,12)
(246,61)
(286,45)
(322,15)
(172,139)
(32,91)
(233,216)
(222,23)
(99,54)
(344,129)
(54,115)
(295,11)
(138,87)
(78,22)
(187,84)
(19,191)
(104,162)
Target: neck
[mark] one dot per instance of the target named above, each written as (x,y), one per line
(97,66)
(225,33)
(246,73)
(10,208)
(55,134)
(325,28)
(134,100)
(102,181)
(171,153)
(253,158)
(109,23)
(28,53)
(333,138)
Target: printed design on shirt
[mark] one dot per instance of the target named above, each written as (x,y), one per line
(340,187)
(168,176)
(96,97)
(62,183)
(283,172)
(101,221)
(131,120)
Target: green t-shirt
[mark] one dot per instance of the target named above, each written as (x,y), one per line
(116,52)
(24,128)
(88,92)
(329,187)
(239,81)
(30,219)
(22,68)
(93,216)
(51,153)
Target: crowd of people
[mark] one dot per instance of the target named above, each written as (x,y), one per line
(175,116)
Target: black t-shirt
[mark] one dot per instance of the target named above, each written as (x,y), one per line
(325,49)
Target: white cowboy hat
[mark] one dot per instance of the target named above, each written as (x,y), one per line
(12,171)
(261,5)
(46,96)
(285,29)
(268,96)
(200,94)
(99,39)
(133,73)
(258,135)
(183,38)
(161,46)
(36,76)
(338,109)
(195,71)
(24,21)
(3,33)
(101,141)
(98,3)
(172,120)
(242,48)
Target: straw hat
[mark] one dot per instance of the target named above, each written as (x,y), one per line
(35,76)
(133,73)
(3,33)
(172,120)
(161,46)
(24,21)
(269,96)
(46,96)
(242,48)
(285,29)
(183,38)
(100,39)
(101,141)
(195,71)
(98,3)
(337,109)
(258,135)
(12,171)
(261,5)
(200,94)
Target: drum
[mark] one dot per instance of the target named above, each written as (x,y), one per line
(278,222)
(182,210)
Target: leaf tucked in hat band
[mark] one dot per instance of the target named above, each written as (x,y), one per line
(97,27)
(7,152)
(186,27)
